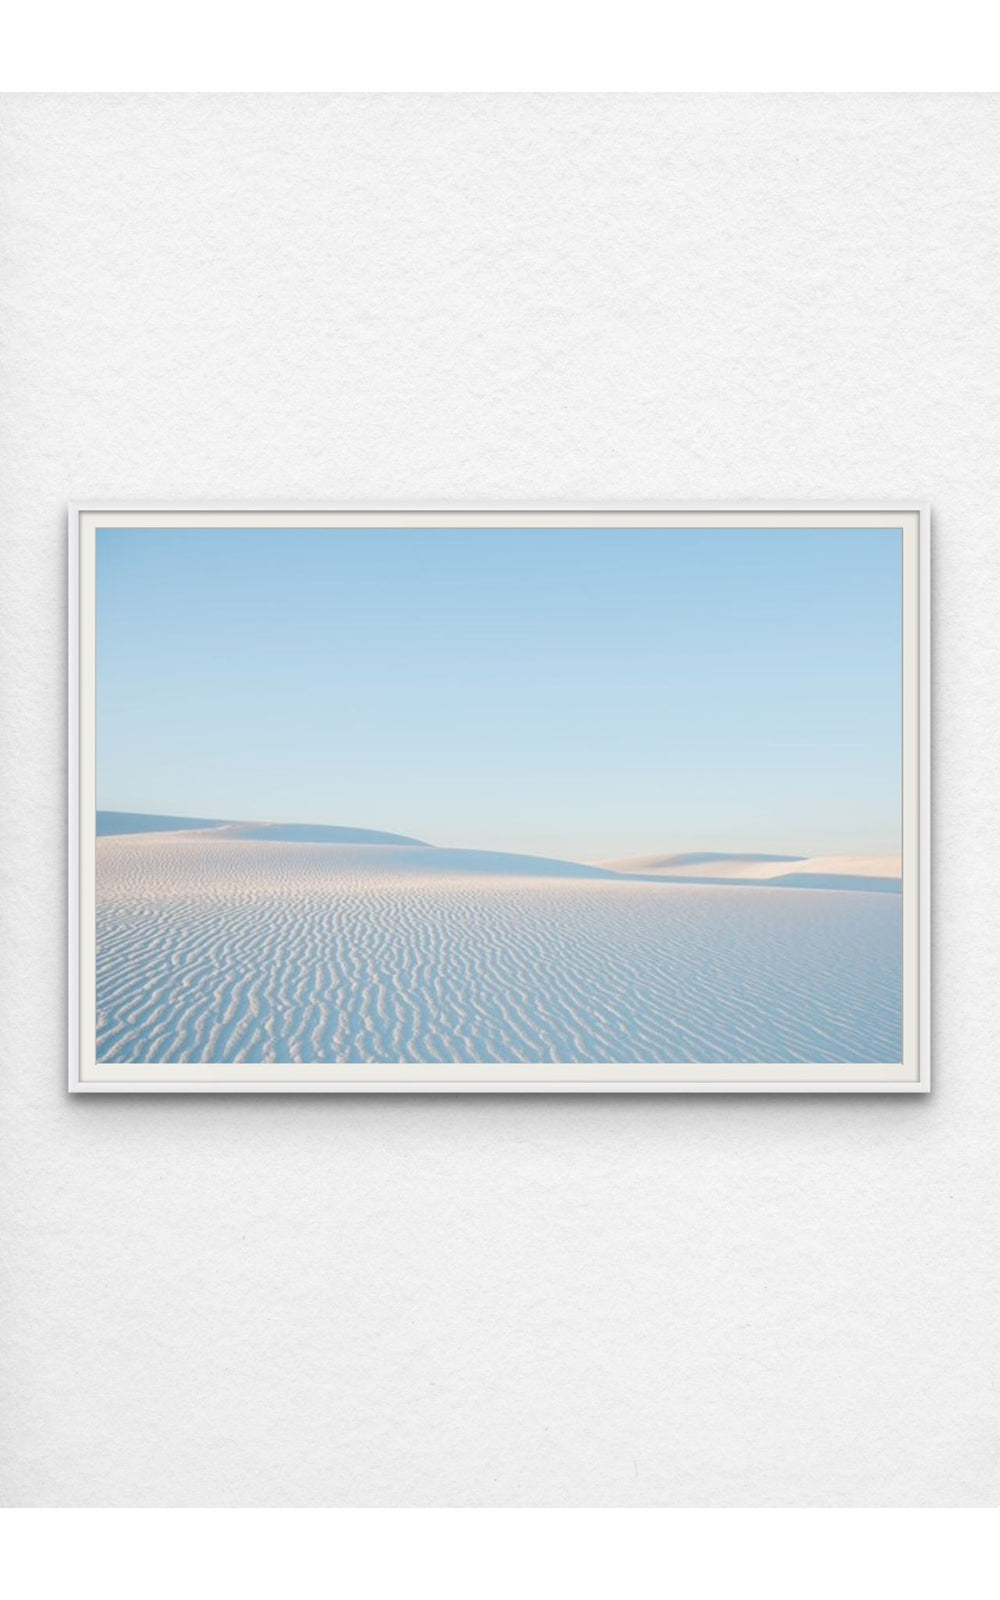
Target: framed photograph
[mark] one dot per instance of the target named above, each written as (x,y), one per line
(578,799)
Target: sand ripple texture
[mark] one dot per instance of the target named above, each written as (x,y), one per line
(241,951)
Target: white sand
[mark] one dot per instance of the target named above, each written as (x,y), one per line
(838,871)
(228,950)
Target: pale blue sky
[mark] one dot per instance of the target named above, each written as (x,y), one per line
(589,693)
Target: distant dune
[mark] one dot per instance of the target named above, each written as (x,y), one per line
(703,862)
(872,873)
(306,833)
(399,852)
(119,822)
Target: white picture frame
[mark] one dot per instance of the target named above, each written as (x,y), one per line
(911,1075)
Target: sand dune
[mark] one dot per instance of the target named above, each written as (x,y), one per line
(704,862)
(707,866)
(302,833)
(226,949)
(811,872)
(119,822)
(354,849)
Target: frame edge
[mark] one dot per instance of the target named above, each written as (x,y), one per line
(903,505)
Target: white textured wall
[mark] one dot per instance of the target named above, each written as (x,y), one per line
(500,1301)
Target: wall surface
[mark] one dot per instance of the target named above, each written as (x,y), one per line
(701,1301)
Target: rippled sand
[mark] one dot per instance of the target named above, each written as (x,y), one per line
(237,950)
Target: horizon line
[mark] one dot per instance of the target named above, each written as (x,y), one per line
(168,822)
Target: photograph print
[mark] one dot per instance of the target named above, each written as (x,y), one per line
(497,800)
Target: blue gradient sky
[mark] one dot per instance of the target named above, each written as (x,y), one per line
(587,693)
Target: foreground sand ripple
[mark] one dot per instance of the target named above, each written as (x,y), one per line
(240,951)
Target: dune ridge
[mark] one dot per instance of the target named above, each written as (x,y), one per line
(870,873)
(110,823)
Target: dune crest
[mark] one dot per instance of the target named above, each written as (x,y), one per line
(706,863)
(349,850)
(306,833)
(789,872)
(111,823)
(379,851)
